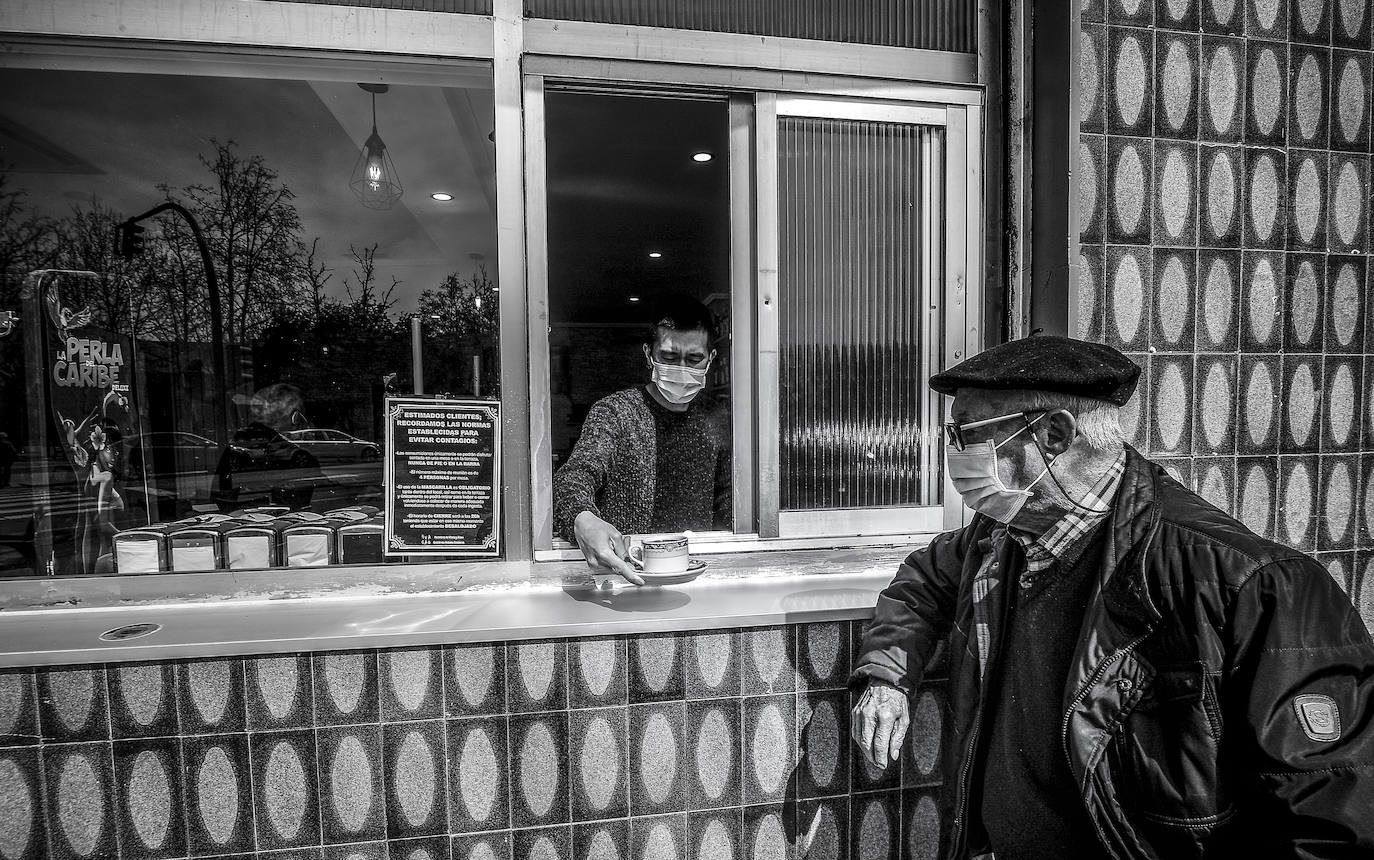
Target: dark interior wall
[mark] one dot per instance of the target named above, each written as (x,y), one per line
(1224,206)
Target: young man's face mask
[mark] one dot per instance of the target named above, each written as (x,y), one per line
(680,361)
(679,384)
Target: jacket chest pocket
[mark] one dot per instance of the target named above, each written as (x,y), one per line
(1166,754)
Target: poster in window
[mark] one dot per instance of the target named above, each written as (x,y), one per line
(443,477)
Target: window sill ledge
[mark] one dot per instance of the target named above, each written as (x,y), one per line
(46,623)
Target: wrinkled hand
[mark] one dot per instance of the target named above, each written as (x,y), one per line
(879,723)
(603,546)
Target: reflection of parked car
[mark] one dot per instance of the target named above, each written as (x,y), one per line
(258,446)
(170,452)
(333,446)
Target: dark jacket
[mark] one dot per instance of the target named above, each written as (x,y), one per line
(1184,721)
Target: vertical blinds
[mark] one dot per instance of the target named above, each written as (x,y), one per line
(860,263)
(937,25)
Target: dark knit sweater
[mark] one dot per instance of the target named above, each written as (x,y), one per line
(645,469)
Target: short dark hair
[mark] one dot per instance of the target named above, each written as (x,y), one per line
(679,312)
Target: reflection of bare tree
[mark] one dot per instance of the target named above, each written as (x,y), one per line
(462,320)
(27,240)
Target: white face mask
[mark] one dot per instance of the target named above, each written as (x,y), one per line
(679,384)
(974,474)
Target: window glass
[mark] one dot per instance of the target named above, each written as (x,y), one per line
(148,427)
(638,222)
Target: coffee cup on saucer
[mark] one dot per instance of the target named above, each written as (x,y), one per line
(660,553)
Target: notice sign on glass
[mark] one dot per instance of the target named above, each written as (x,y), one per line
(443,477)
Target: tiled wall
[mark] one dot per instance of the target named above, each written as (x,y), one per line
(1224,206)
(730,744)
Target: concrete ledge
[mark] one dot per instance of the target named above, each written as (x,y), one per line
(462,603)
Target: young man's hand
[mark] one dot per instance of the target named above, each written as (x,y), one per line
(879,723)
(603,546)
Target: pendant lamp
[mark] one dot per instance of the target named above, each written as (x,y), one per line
(374,179)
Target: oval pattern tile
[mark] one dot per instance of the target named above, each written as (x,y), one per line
(1087,183)
(482,851)
(1172,301)
(1222,88)
(478,775)
(599,764)
(923,839)
(822,759)
(277,679)
(820,837)
(1297,504)
(1307,200)
(713,657)
(823,648)
(80,804)
(149,793)
(536,667)
(1302,403)
(544,849)
(1128,189)
(1130,77)
(1267,13)
(769,748)
(1368,508)
(1222,10)
(660,844)
(1221,193)
(716,842)
(12,700)
(1310,92)
(1178,84)
(656,657)
(770,655)
(1089,75)
(1178,8)
(1216,405)
(284,790)
(1339,497)
(1305,306)
(1264,197)
(1175,193)
(770,843)
(142,690)
(657,758)
(597,662)
(1171,406)
(1310,14)
(1129,297)
(1266,91)
(1263,305)
(210,684)
(538,781)
(1352,16)
(602,847)
(1345,305)
(217,794)
(1215,489)
(1351,98)
(715,753)
(473,669)
(73,697)
(350,783)
(17,803)
(874,829)
(1087,294)
(1259,404)
(345,675)
(1216,302)
(1347,204)
(409,673)
(1256,498)
(926,725)
(415,782)
(1340,404)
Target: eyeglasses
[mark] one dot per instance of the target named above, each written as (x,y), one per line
(954,430)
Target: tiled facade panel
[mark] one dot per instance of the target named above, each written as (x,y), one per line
(1224,205)
(695,746)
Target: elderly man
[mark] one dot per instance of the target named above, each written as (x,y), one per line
(1133,673)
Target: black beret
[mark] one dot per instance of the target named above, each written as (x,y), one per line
(1046,362)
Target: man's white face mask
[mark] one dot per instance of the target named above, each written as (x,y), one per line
(679,384)
(974,474)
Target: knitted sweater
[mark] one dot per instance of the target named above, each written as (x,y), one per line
(646,469)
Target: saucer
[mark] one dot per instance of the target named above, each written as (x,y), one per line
(694,568)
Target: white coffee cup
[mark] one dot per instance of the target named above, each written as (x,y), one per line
(660,553)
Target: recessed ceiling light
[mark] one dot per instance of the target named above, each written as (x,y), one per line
(654,255)
(702,156)
(442,196)
(634,298)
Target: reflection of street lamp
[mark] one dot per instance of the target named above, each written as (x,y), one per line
(417,361)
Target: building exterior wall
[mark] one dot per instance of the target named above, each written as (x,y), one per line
(1224,207)
(656,746)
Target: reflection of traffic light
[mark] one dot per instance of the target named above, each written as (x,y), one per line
(130,239)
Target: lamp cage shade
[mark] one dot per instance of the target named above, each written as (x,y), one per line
(374,179)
